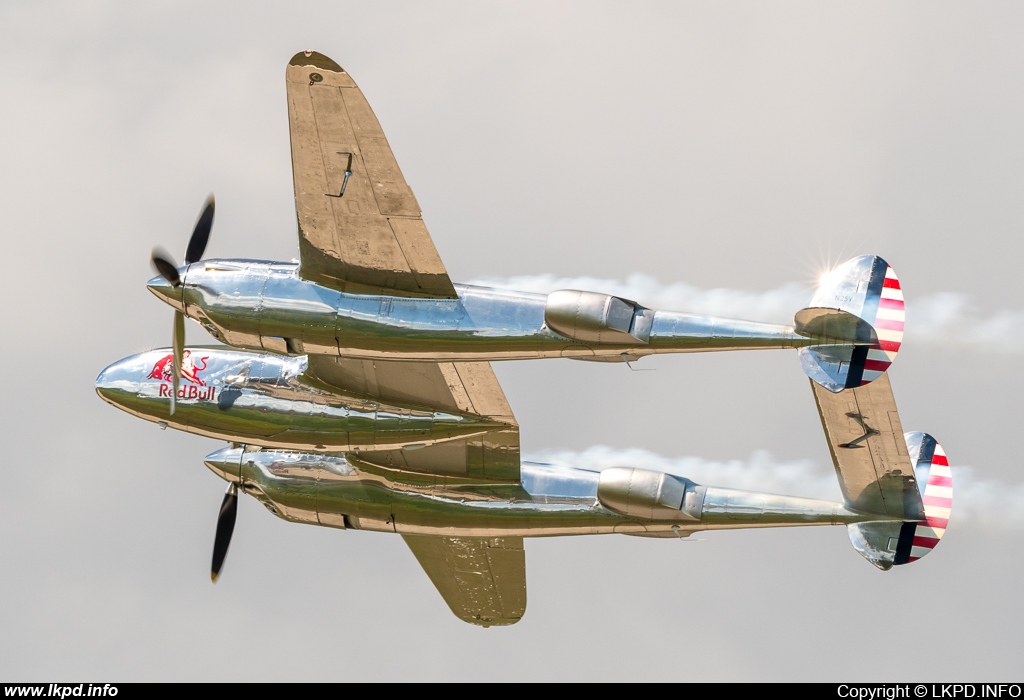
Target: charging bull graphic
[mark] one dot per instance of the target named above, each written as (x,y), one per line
(164,369)
(190,369)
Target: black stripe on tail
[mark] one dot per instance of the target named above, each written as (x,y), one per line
(905,543)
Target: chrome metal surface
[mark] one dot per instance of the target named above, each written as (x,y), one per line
(332,490)
(857,313)
(264,305)
(895,543)
(725,508)
(589,317)
(166,292)
(650,495)
(876,542)
(358,393)
(266,400)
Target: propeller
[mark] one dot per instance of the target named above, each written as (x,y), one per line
(165,266)
(200,234)
(225,526)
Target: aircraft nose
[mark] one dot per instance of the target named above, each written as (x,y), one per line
(104,384)
(165,292)
(115,382)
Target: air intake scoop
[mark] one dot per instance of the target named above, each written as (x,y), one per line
(590,317)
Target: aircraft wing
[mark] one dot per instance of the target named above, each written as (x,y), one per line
(360,228)
(483,579)
(462,387)
(868,449)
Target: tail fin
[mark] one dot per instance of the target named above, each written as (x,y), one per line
(857,314)
(888,543)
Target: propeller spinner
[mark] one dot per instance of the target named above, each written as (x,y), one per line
(164,265)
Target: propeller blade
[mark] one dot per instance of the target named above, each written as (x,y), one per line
(179,348)
(200,234)
(165,267)
(225,526)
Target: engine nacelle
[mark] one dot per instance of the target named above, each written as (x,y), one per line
(651,495)
(589,317)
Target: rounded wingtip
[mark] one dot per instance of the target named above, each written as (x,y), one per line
(316,59)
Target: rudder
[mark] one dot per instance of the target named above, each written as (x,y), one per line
(857,313)
(889,543)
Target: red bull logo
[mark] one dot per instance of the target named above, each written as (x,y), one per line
(190,369)
(189,392)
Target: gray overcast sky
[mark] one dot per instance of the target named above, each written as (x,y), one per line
(741,145)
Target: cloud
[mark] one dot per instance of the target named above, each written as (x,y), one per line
(950,318)
(977,501)
(946,318)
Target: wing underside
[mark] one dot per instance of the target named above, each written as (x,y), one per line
(462,387)
(869,451)
(360,228)
(482,579)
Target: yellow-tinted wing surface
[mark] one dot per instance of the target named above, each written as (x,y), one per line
(868,449)
(360,228)
(460,387)
(483,579)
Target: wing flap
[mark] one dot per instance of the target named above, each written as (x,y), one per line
(466,387)
(360,229)
(482,579)
(492,458)
(469,387)
(865,438)
(420,253)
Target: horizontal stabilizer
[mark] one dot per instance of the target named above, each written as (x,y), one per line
(833,324)
(890,543)
(857,315)
(865,437)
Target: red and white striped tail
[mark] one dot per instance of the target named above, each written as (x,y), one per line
(888,325)
(859,305)
(889,543)
(935,480)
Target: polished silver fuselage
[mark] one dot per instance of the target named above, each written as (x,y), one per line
(267,400)
(297,449)
(269,306)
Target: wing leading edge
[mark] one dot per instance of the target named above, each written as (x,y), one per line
(360,228)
